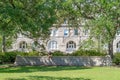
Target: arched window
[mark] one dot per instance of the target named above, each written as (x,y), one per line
(52,45)
(71,46)
(118,46)
(23,45)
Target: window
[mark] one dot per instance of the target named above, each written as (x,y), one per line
(71,46)
(118,44)
(75,31)
(54,32)
(23,45)
(66,32)
(52,45)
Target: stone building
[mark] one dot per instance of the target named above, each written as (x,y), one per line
(63,39)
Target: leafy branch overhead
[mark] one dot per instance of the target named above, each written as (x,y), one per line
(34,18)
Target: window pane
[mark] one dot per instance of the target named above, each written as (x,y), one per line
(54,32)
(65,32)
(23,45)
(52,45)
(75,31)
(71,45)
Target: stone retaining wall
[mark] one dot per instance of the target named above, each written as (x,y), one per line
(63,61)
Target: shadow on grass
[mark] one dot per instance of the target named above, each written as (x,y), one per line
(49,78)
(29,69)
(16,79)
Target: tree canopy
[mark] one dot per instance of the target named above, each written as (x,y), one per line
(35,17)
(103,18)
(29,17)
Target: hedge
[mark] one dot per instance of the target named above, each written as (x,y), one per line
(9,57)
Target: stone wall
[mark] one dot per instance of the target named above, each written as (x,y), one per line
(63,61)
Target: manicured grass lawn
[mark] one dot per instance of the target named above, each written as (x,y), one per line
(59,73)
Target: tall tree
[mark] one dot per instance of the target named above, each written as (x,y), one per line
(8,23)
(29,17)
(103,18)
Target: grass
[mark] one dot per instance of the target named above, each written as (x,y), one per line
(59,73)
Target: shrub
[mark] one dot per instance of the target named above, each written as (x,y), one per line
(8,57)
(79,53)
(116,58)
(33,53)
(87,53)
(58,53)
(27,54)
(1,58)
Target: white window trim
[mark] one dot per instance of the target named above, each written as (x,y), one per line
(53,45)
(71,46)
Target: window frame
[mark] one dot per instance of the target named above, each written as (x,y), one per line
(66,32)
(53,45)
(22,45)
(75,33)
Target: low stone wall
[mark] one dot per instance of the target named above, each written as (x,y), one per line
(63,61)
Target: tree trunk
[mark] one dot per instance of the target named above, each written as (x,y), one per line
(3,43)
(99,44)
(110,46)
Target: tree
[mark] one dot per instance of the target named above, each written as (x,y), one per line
(8,23)
(32,18)
(103,18)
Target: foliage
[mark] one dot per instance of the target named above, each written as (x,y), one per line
(87,53)
(8,57)
(57,53)
(32,18)
(28,53)
(101,17)
(1,58)
(89,44)
(116,58)
(80,52)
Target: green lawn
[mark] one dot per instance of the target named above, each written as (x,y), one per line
(59,73)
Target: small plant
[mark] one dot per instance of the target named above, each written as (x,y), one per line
(116,58)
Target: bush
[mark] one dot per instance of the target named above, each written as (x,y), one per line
(1,58)
(87,53)
(8,57)
(58,53)
(116,58)
(28,53)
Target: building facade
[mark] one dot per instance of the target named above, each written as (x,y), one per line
(63,39)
